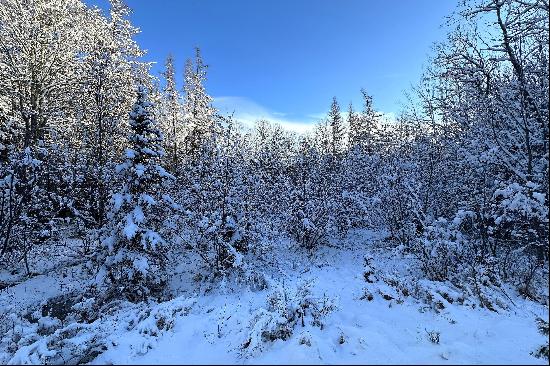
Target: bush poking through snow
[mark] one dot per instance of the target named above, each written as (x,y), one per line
(433,336)
(305,339)
(36,339)
(469,285)
(367,295)
(284,310)
(161,318)
(151,323)
(74,344)
(542,351)
(341,338)
(368,274)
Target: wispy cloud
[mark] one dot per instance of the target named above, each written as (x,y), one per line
(248,112)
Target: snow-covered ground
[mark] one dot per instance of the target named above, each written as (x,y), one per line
(219,324)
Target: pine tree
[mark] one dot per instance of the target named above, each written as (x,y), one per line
(367,124)
(336,126)
(352,124)
(199,114)
(171,115)
(134,255)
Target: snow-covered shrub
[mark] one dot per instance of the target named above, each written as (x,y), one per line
(37,339)
(379,283)
(399,206)
(267,326)
(439,250)
(521,216)
(84,310)
(161,318)
(65,329)
(59,307)
(16,332)
(468,284)
(309,218)
(542,351)
(369,270)
(152,322)
(27,206)
(308,221)
(433,336)
(222,223)
(75,343)
(484,282)
(519,234)
(283,311)
(254,279)
(221,240)
(526,272)
(305,339)
(48,325)
(452,251)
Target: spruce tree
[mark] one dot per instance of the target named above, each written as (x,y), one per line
(199,114)
(336,125)
(367,124)
(352,124)
(135,256)
(171,115)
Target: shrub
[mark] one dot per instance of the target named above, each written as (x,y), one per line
(283,311)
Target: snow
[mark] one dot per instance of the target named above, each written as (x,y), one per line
(52,281)
(539,197)
(130,229)
(148,151)
(210,323)
(140,169)
(356,332)
(130,153)
(147,199)
(118,200)
(152,238)
(138,214)
(163,173)
(141,265)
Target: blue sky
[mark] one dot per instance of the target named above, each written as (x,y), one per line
(285,59)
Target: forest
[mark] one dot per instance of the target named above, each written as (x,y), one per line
(136,218)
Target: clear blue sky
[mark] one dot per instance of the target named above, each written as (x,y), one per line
(287,58)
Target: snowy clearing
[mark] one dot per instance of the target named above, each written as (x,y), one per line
(213,327)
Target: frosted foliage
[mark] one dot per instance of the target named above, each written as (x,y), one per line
(140,225)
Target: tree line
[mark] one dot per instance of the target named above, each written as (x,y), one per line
(94,147)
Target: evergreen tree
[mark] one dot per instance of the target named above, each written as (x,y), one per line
(134,254)
(336,126)
(353,120)
(171,122)
(199,114)
(367,124)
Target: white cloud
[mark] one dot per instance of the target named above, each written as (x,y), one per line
(317,116)
(248,112)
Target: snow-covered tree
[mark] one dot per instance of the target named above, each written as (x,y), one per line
(366,126)
(199,114)
(104,98)
(336,127)
(134,253)
(171,116)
